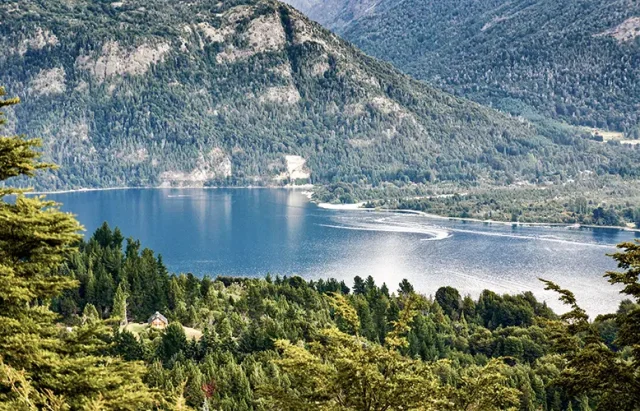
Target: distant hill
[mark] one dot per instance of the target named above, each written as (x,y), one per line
(575,60)
(337,14)
(245,92)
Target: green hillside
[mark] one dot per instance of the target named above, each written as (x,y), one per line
(574,60)
(249,93)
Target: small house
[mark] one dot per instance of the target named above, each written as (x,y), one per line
(158,320)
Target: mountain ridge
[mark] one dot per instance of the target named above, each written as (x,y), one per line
(574,61)
(226,93)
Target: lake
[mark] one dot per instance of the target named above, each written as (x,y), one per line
(252,232)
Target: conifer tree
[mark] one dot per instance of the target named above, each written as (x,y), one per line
(42,364)
(594,369)
(119,312)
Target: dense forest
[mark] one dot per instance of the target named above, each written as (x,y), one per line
(72,332)
(588,200)
(616,205)
(250,92)
(576,61)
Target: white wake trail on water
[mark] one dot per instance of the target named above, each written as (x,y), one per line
(434,233)
(437,233)
(551,239)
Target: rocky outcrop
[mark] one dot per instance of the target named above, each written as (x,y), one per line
(116,60)
(214,165)
(51,81)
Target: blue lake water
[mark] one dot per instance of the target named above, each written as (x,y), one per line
(252,232)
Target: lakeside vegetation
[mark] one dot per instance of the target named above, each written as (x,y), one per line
(280,343)
(598,201)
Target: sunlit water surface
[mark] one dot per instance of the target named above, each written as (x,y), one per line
(252,232)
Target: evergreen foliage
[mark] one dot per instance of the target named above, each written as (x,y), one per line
(43,365)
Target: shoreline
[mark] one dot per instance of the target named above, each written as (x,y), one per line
(307,192)
(345,207)
(358,207)
(85,190)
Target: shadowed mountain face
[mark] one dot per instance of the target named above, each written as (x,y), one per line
(249,92)
(574,60)
(337,15)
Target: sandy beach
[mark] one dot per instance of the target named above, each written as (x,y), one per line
(356,206)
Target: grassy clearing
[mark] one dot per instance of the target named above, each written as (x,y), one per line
(137,328)
(610,136)
(192,333)
(606,135)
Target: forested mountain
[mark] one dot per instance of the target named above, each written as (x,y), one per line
(245,92)
(575,60)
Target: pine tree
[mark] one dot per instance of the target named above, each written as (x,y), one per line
(594,369)
(172,343)
(44,366)
(90,313)
(119,312)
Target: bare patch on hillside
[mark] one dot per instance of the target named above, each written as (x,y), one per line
(282,95)
(266,33)
(115,60)
(215,164)
(134,156)
(81,87)
(624,32)
(214,35)
(48,82)
(283,70)
(37,41)
(354,110)
(387,106)
(493,22)
(232,54)
(362,76)
(321,67)
(263,35)
(305,32)
(296,169)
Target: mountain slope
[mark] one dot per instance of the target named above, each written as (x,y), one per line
(249,92)
(336,14)
(574,60)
